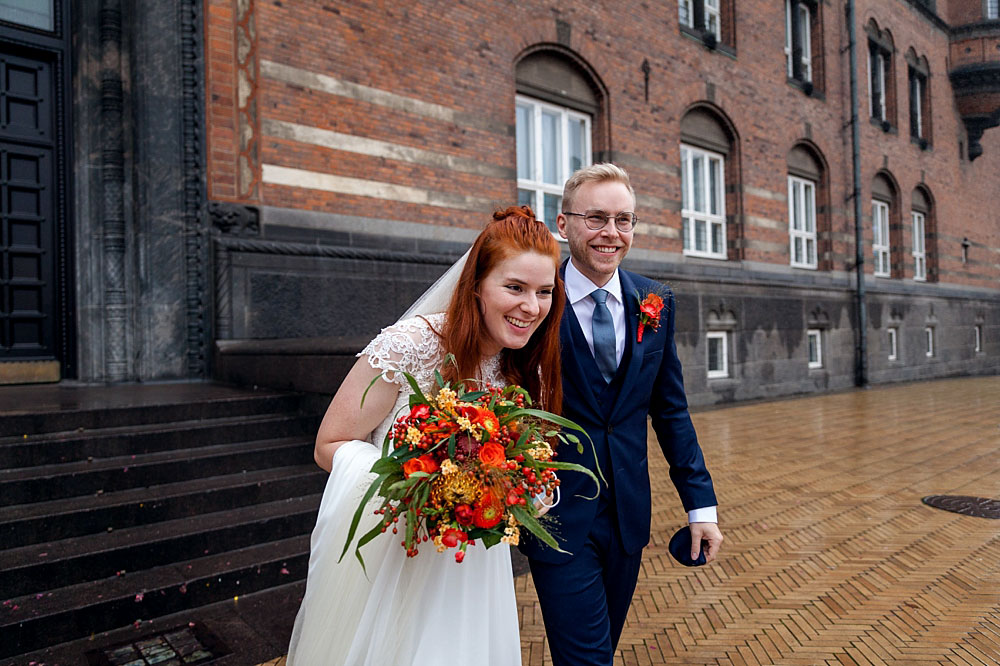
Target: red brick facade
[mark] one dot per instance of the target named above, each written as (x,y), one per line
(464,60)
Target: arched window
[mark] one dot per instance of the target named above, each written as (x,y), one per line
(806,213)
(924,235)
(885,229)
(556,104)
(707,145)
(881,76)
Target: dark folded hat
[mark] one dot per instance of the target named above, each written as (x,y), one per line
(680,548)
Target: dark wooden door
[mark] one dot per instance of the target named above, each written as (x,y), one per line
(28,308)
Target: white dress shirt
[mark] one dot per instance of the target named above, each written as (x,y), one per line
(578,290)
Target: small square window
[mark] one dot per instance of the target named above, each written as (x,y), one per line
(893,349)
(815,338)
(718,354)
(929,341)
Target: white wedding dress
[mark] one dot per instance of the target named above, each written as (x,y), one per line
(421,611)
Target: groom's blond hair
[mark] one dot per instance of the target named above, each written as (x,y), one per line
(605,172)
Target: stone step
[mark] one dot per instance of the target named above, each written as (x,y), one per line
(63,447)
(27,485)
(250,630)
(33,621)
(40,567)
(80,414)
(54,520)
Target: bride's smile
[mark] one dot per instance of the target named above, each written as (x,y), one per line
(515,297)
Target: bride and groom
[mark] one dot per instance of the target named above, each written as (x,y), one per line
(586,339)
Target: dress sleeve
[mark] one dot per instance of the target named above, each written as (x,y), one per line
(409,346)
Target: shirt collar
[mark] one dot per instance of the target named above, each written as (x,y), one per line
(579,286)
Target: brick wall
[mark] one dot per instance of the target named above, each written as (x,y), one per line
(404,112)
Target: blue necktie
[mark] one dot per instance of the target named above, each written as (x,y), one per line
(604,336)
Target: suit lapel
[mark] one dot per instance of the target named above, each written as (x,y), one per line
(633,350)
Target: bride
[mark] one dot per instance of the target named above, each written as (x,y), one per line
(500,321)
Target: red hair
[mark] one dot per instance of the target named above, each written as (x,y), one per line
(535,367)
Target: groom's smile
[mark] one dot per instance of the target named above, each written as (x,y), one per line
(597,252)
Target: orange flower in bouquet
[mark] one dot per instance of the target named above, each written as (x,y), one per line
(463,467)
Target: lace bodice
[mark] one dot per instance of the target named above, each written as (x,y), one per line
(412,346)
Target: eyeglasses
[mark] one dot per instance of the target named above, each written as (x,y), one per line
(597,219)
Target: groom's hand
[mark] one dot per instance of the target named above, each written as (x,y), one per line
(708,532)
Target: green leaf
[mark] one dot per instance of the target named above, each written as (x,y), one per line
(451,446)
(385,465)
(370,385)
(368,536)
(573,467)
(357,514)
(490,539)
(439,379)
(532,525)
(416,389)
(472,397)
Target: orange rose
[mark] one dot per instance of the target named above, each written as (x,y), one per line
(425,463)
(492,454)
(482,417)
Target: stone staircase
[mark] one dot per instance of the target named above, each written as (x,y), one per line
(112,519)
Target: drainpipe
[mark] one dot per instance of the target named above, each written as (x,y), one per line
(861,334)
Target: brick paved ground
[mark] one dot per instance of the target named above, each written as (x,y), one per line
(830,557)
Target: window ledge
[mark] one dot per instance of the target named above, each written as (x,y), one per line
(921,143)
(808,88)
(701,36)
(885,126)
(805,267)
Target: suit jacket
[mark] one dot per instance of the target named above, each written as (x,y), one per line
(648,383)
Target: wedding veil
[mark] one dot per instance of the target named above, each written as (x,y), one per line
(438,295)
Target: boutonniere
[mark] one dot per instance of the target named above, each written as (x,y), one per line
(649,313)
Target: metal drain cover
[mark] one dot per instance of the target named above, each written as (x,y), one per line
(980,507)
(185,645)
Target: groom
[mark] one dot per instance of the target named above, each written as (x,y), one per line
(611,383)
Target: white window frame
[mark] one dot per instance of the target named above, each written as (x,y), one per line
(880,238)
(714,223)
(713,17)
(893,343)
(802,222)
(723,337)
(928,341)
(685,12)
(992,10)
(919,247)
(817,335)
(879,64)
(536,183)
(917,91)
(804,25)
(978,329)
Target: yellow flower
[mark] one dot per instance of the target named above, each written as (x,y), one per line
(439,545)
(447,399)
(541,452)
(511,536)
(464,423)
(413,435)
(448,467)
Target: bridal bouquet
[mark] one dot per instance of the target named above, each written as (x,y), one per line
(463,466)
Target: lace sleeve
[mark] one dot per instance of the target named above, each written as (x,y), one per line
(410,345)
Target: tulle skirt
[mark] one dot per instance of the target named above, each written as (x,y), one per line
(421,611)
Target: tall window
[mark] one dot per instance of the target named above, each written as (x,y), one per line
(802,221)
(815,339)
(893,348)
(798,40)
(703,202)
(919,106)
(979,338)
(929,341)
(878,64)
(992,9)
(880,238)
(552,143)
(701,15)
(718,355)
(919,252)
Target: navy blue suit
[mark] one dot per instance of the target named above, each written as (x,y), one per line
(606,536)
